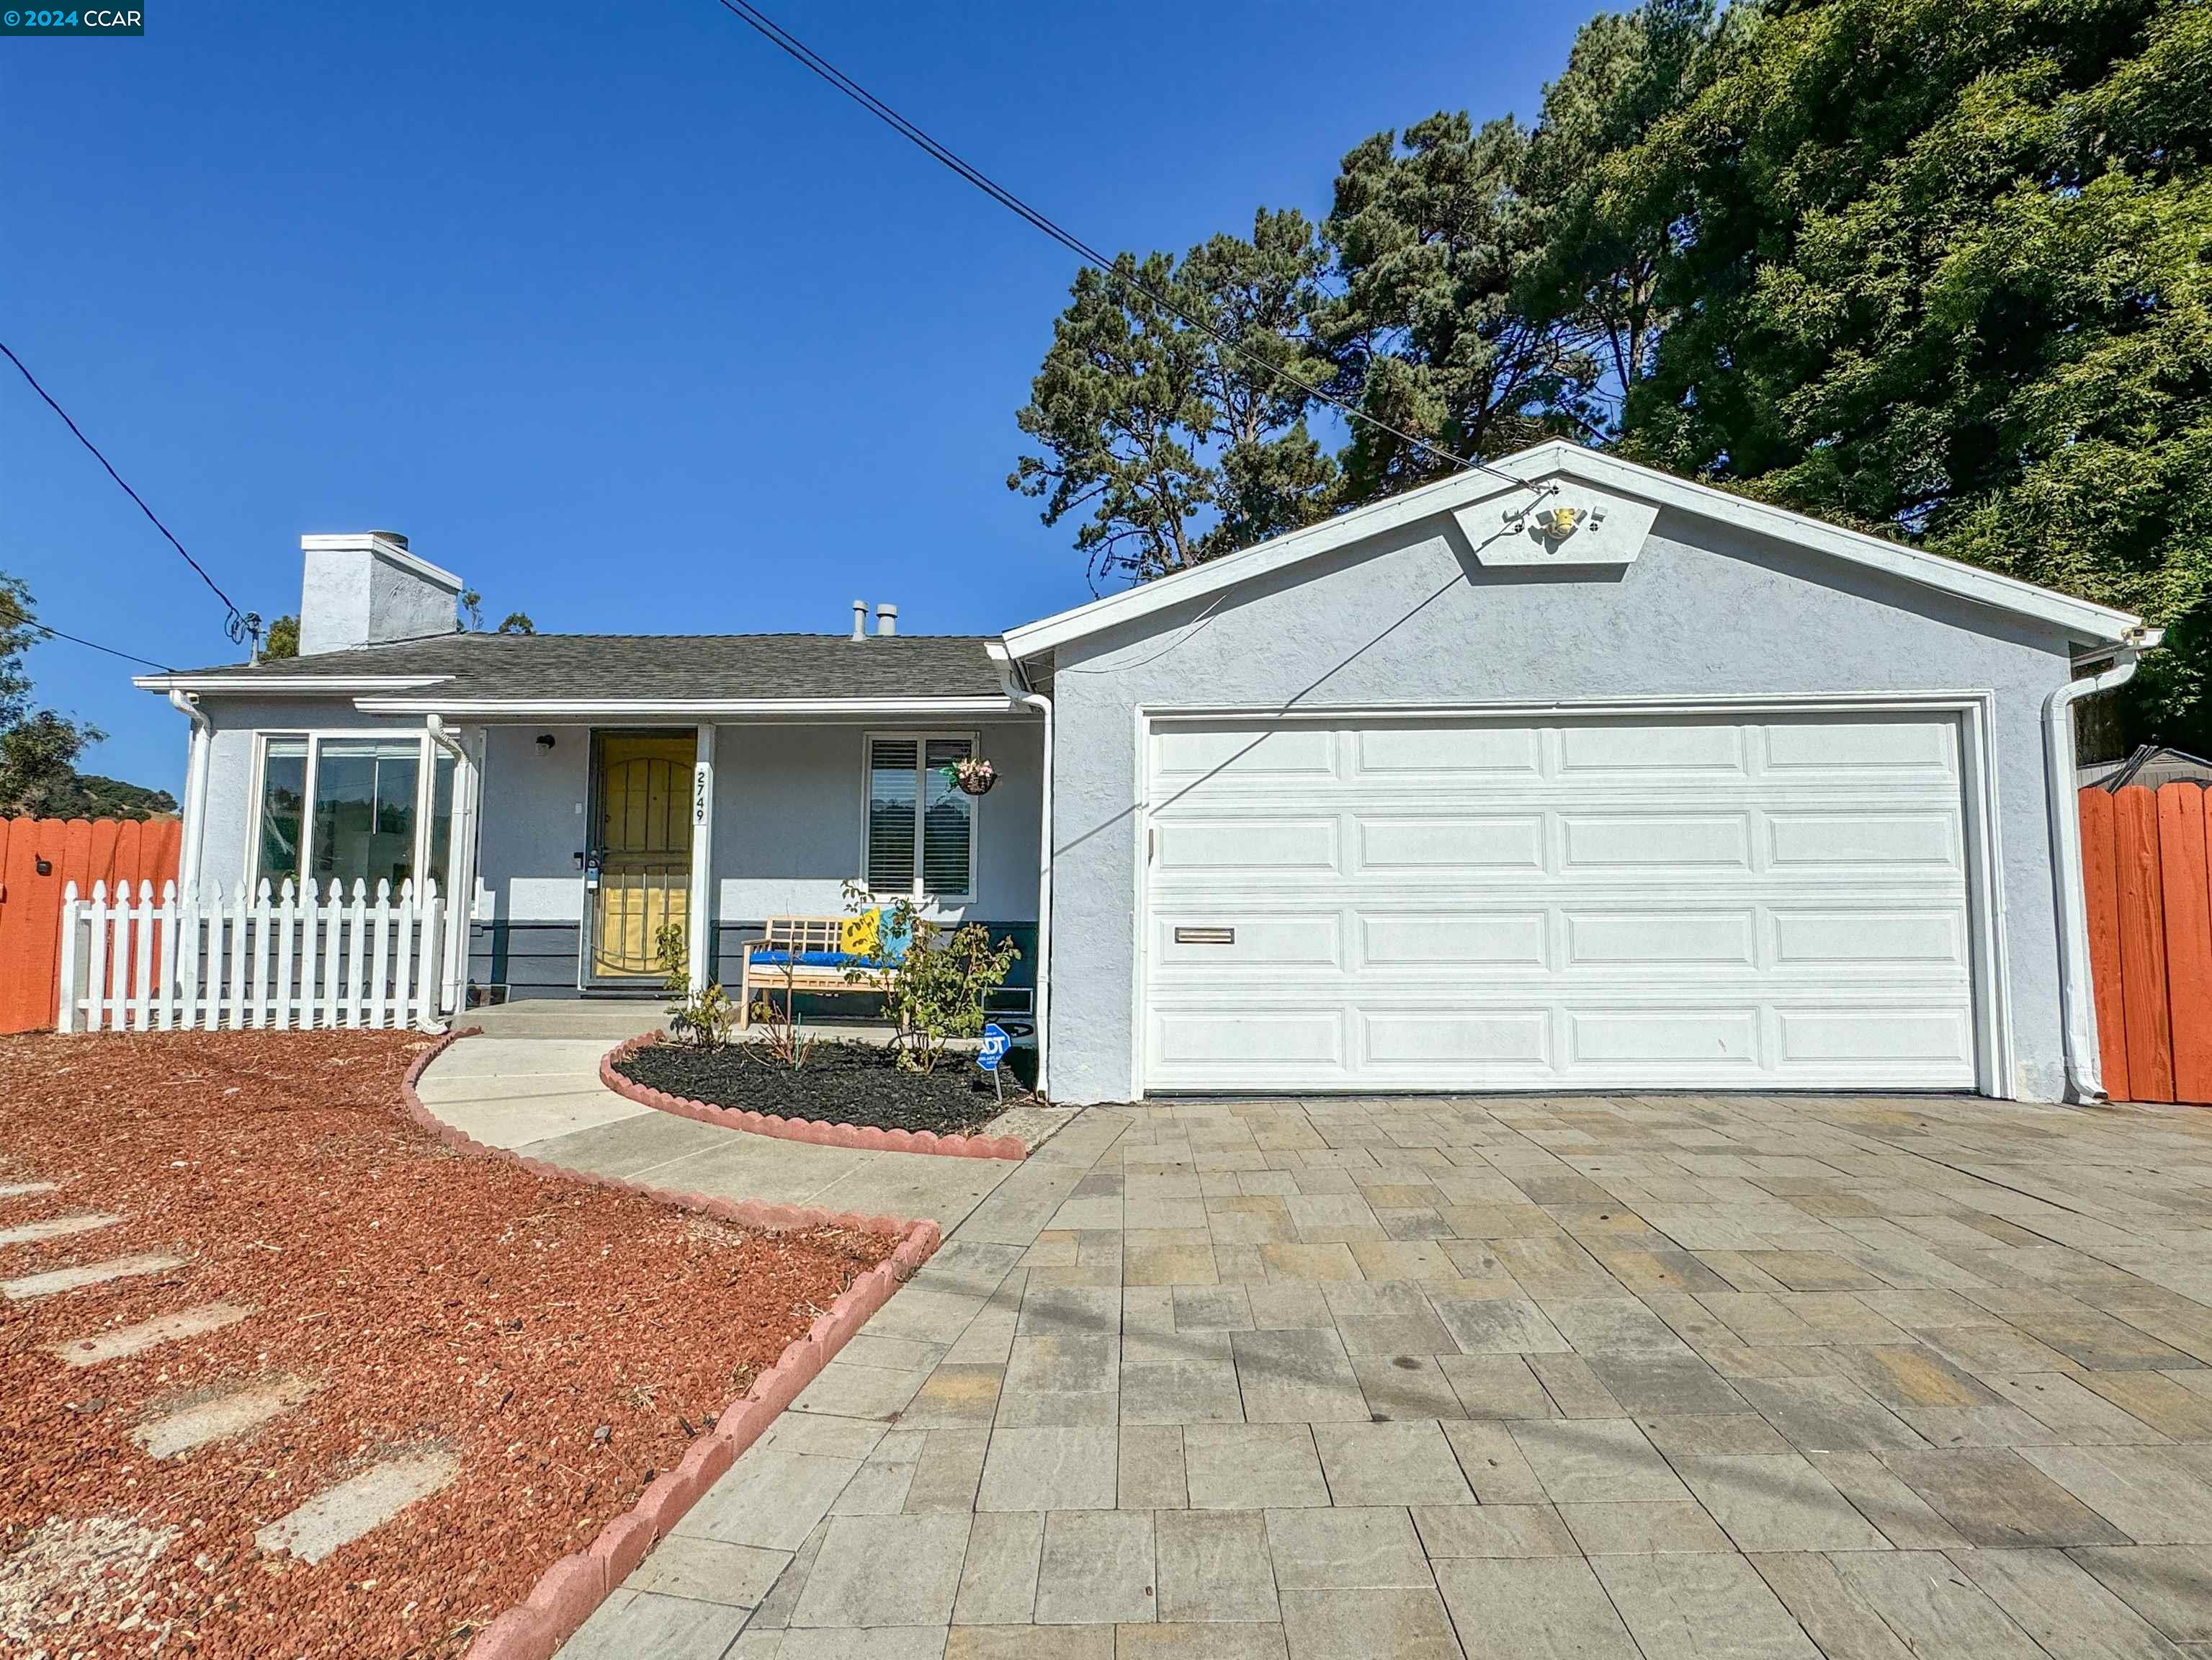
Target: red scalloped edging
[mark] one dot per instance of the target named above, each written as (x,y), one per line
(800,1129)
(567,1593)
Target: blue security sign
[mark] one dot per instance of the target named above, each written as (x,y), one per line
(995,1044)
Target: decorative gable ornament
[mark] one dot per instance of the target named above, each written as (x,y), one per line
(1570,527)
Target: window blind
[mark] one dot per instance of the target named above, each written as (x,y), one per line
(948,819)
(892,764)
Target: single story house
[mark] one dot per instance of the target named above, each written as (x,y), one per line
(1568,775)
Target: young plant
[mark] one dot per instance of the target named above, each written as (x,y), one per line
(934,989)
(701,1019)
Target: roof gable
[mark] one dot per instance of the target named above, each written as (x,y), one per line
(1498,517)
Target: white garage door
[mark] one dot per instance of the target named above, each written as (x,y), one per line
(1654,901)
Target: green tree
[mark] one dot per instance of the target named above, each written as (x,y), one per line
(38,748)
(1605,237)
(283,639)
(1945,278)
(516,621)
(1431,236)
(1168,446)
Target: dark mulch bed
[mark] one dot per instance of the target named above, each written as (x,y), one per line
(840,1084)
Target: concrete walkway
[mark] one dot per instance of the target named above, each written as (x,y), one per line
(1613,1377)
(542,1096)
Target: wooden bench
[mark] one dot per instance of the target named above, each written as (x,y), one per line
(804,954)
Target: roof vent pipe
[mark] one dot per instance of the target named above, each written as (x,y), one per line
(859,619)
(886,620)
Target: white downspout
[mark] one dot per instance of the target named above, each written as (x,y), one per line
(460,902)
(1017,690)
(2077,996)
(194,826)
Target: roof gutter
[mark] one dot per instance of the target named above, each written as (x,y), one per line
(2077,994)
(1018,691)
(196,788)
(297,685)
(684,710)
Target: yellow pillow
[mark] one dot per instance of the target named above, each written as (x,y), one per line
(861,935)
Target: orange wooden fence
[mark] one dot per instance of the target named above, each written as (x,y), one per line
(2145,859)
(79,850)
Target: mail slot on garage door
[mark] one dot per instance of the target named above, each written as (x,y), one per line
(1206,936)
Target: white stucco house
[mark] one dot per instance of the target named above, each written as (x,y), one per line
(1598,779)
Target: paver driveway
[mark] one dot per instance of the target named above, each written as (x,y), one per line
(1660,1375)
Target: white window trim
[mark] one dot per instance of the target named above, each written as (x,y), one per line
(426,782)
(921,741)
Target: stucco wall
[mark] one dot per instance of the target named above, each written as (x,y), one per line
(787,826)
(787,837)
(1407,617)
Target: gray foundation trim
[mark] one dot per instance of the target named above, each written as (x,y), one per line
(539,959)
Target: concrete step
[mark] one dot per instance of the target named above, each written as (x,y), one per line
(337,1516)
(17,1189)
(56,1281)
(178,1432)
(127,1341)
(55,1227)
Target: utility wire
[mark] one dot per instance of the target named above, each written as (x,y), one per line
(94,645)
(784,41)
(240,623)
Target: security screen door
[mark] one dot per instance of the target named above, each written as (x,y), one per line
(641,817)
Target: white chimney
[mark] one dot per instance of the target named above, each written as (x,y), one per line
(886,620)
(859,619)
(365,588)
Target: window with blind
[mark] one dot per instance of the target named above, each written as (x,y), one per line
(922,826)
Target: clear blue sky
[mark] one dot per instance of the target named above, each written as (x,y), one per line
(613,309)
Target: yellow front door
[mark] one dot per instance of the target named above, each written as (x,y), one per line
(643,808)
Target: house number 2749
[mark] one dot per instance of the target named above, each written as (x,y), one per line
(699,795)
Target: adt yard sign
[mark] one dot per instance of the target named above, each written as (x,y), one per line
(995,1045)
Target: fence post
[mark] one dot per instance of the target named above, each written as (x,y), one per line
(95,958)
(240,909)
(356,939)
(310,926)
(333,938)
(257,1014)
(380,956)
(164,1012)
(66,1016)
(141,966)
(212,915)
(403,954)
(286,919)
(428,985)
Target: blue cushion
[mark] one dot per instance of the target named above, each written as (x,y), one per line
(806,960)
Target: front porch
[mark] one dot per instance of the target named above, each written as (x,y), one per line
(592,837)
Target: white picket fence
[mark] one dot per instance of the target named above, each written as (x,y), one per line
(294,960)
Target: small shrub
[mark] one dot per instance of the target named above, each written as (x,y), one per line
(935,990)
(703,1018)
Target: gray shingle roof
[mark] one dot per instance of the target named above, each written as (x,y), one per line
(675,667)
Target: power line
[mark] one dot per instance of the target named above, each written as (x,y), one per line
(94,645)
(240,623)
(784,41)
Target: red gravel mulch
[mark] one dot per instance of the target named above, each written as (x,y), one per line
(564,1342)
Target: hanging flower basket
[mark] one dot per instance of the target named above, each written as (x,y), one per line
(974,776)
